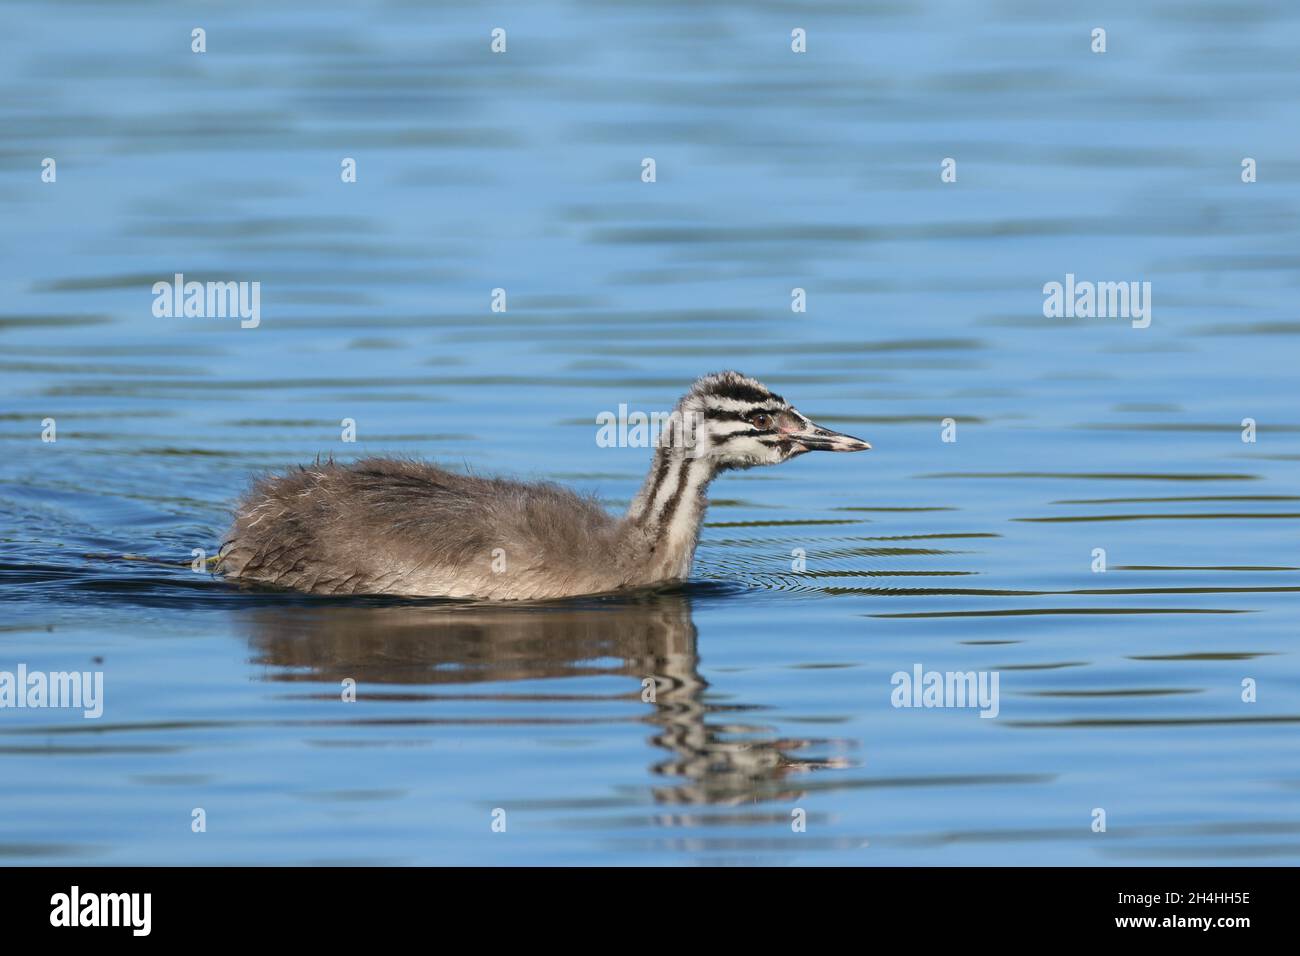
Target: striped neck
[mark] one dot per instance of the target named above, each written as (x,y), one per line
(670,506)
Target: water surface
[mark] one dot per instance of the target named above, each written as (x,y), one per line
(1120,690)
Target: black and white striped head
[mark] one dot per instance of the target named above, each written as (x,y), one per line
(739,422)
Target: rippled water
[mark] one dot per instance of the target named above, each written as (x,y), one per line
(1119,690)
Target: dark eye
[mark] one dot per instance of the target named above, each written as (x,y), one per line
(761,420)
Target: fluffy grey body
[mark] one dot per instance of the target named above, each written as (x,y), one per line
(392,526)
(404,527)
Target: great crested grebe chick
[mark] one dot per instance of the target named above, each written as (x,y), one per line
(394,526)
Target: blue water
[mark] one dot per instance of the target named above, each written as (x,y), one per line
(1120,691)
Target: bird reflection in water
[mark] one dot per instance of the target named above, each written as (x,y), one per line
(714,755)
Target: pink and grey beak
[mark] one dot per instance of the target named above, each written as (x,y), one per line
(815,438)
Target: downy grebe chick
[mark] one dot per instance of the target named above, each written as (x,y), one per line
(395,526)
